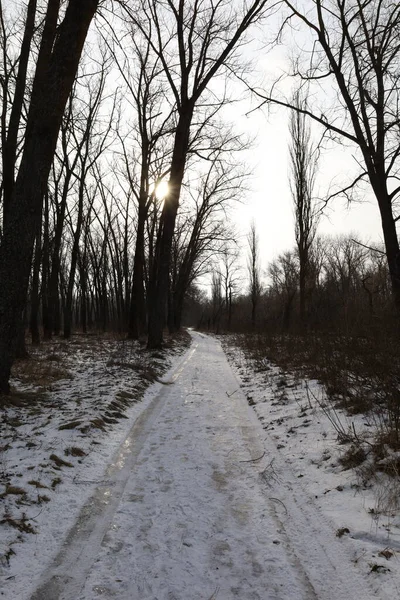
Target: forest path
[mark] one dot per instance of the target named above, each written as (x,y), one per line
(191,509)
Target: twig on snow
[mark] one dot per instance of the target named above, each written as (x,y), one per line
(280,502)
(253,459)
(269,473)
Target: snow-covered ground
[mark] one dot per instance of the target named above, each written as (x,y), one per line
(218,485)
(318,499)
(72,405)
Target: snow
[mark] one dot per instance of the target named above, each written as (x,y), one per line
(97,373)
(221,484)
(343,514)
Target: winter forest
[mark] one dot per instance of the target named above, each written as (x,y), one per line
(124,159)
(119,173)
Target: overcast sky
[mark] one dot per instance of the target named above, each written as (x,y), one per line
(270,202)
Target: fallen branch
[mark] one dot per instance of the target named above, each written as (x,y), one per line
(214,595)
(253,459)
(280,502)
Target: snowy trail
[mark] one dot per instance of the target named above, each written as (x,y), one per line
(192,509)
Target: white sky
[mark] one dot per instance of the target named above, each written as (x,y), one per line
(270,204)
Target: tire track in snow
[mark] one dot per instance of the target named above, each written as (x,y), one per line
(326,562)
(186,516)
(329,567)
(66,576)
(194,523)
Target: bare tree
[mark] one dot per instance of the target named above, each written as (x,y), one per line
(303,163)
(147,163)
(230,275)
(90,141)
(217,300)
(284,274)
(56,66)
(10,130)
(196,45)
(203,231)
(253,267)
(355,49)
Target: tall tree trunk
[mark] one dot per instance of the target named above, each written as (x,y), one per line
(302,287)
(230,308)
(159,278)
(35,297)
(287,311)
(52,85)
(47,328)
(253,314)
(177,309)
(391,246)
(137,317)
(54,311)
(74,260)
(126,274)
(9,153)
(21,351)
(84,289)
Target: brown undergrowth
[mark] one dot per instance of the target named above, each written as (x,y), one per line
(360,375)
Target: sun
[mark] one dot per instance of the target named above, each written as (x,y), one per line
(162,190)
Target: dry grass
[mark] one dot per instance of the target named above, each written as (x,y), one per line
(21,524)
(70,425)
(360,375)
(353,457)
(342,531)
(37,484)
(42,373)
(13,490)
(59,461)
(74,451)
(56,481)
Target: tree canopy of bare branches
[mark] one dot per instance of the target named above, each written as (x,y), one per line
(354,50)
(194,41)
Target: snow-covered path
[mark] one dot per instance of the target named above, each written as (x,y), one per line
(197,506)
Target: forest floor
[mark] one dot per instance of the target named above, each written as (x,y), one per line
(223,482)
(72,404)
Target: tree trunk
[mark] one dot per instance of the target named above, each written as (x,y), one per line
(287,311)
(35,301)
(177,310)
(158,285)
(74,261)
(391,247)
(9,153)
(47,329)
(54,312)
(137,318)
(84,291)
(21,351)
(52,85)
(303,259)
(230,307)
(254,304)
